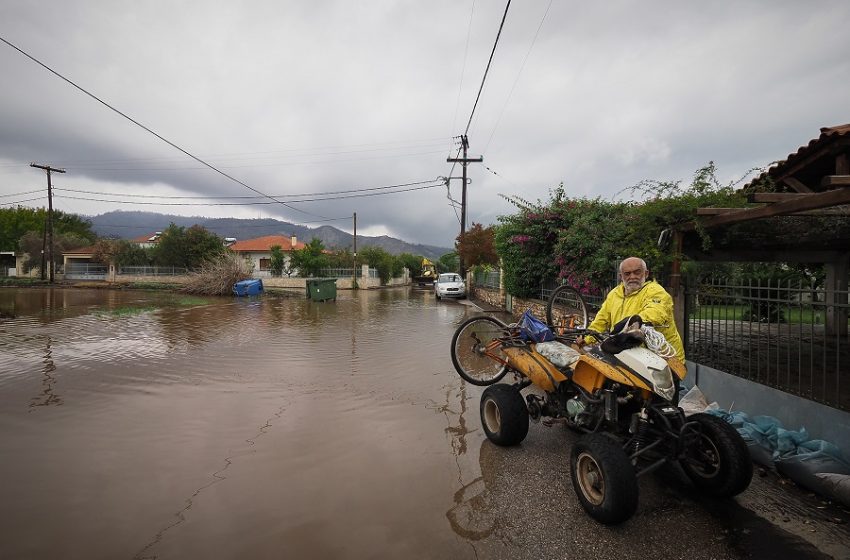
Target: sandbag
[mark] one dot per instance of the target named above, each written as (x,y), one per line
(838,486)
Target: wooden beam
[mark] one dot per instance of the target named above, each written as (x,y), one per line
(843,211)
(772,197)
(759,255)
(835,181)
(842,164)
(812,201)
(796,184)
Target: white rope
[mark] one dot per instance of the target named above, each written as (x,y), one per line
(656,342)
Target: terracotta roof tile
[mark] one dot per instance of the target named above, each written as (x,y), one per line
(264,244)
(827,134)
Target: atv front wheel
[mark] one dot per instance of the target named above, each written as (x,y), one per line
(504,415)
(604,479)
(476,351)
(717,460)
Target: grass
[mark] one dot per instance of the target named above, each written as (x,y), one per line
(792,315)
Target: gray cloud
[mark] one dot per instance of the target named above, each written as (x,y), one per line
(300,97)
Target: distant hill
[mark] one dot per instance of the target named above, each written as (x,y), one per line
(127,225)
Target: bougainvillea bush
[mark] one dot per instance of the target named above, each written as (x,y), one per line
(581,240)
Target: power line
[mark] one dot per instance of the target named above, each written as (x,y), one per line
(463,68)
(20,201)
(516,81)
(158,203)
(499,34)
(137,123)
(207,197)
(20,193)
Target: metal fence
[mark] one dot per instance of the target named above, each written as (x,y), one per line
(487,279)
(85,271)
(150,271)
(784,334)
(323,273)
(593,300)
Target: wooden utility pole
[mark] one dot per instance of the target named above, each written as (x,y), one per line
(464,142)
(49,216)
(354,273)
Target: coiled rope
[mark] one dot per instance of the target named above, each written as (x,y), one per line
(656,342)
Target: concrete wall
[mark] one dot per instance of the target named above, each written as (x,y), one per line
(736,393)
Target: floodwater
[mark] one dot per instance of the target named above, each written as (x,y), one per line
(137,425)
(151,425)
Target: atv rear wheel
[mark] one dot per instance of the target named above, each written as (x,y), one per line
(604,479)
(504,415)
(717,460)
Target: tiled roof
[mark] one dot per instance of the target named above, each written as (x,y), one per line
(264,244)
(827,134)
(81,251)
(149,238)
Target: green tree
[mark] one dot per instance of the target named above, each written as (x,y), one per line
(120,252)
(448,262)
(413,263)
(385,263)
(310,260)
(32,242)
(188,248)
(16,222)
(277,260)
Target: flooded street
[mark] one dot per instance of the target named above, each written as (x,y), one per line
(151,425)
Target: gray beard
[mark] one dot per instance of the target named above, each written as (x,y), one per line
(629,290)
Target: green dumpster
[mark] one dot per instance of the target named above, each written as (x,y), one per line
(321,289)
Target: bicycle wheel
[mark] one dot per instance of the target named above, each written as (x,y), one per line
(476,351)
(566,310)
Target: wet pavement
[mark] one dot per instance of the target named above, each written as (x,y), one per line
(150,425)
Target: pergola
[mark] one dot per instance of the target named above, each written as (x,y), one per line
(800,216)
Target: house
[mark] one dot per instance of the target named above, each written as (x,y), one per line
(259,250)
(147,241)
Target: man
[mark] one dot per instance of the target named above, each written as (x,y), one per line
(637,296)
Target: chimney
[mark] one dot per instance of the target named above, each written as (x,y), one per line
(293,240)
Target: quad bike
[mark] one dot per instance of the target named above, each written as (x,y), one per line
(621,397)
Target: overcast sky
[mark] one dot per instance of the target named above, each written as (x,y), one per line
(300,97)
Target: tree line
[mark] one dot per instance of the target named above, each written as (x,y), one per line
(23,230)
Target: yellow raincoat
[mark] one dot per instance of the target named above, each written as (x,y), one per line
(651,302)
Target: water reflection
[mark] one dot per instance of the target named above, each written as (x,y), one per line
(193,423)
(47,396)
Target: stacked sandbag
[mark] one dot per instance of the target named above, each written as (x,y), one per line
(815,464)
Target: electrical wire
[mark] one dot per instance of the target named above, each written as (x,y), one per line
(207,197)
(516,81)
(137,123)
(158,203)
(480,89)
(25,200)
(20,193)
(463,68)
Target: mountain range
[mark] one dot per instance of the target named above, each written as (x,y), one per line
(129,225)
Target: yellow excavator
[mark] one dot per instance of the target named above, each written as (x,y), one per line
(427,275)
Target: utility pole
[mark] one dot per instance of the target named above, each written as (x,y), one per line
(354,277)
(464,142)
(49,216)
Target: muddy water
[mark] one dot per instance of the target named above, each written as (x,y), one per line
(140,425)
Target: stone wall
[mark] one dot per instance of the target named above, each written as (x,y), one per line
(493,298)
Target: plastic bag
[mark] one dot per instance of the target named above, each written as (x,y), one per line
(533,329)
(559,354)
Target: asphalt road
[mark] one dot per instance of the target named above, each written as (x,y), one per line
(524,506)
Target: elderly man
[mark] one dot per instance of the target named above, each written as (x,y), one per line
(637,296)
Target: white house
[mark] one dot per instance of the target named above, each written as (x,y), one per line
(259,250)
